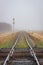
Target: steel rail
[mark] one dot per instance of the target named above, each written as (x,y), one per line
(31,50)
(11,51)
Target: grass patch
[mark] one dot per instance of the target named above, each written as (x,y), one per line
(7,41)
(22,43)
(6,44)
(39,45)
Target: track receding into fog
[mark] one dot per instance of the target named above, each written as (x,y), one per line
(21,53)
(21,42)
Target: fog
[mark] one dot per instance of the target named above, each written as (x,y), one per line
(28,14)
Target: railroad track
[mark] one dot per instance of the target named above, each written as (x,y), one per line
(17,56)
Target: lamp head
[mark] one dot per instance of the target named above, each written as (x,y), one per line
(13,20)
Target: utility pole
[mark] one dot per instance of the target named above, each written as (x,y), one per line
(13,23)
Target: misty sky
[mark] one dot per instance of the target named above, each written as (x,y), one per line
(28,14)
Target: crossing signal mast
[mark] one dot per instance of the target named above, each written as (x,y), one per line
(13,23)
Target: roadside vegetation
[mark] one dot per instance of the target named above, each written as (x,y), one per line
(6,40)
(37,38)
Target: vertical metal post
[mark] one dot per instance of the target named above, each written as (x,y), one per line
(13,23)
